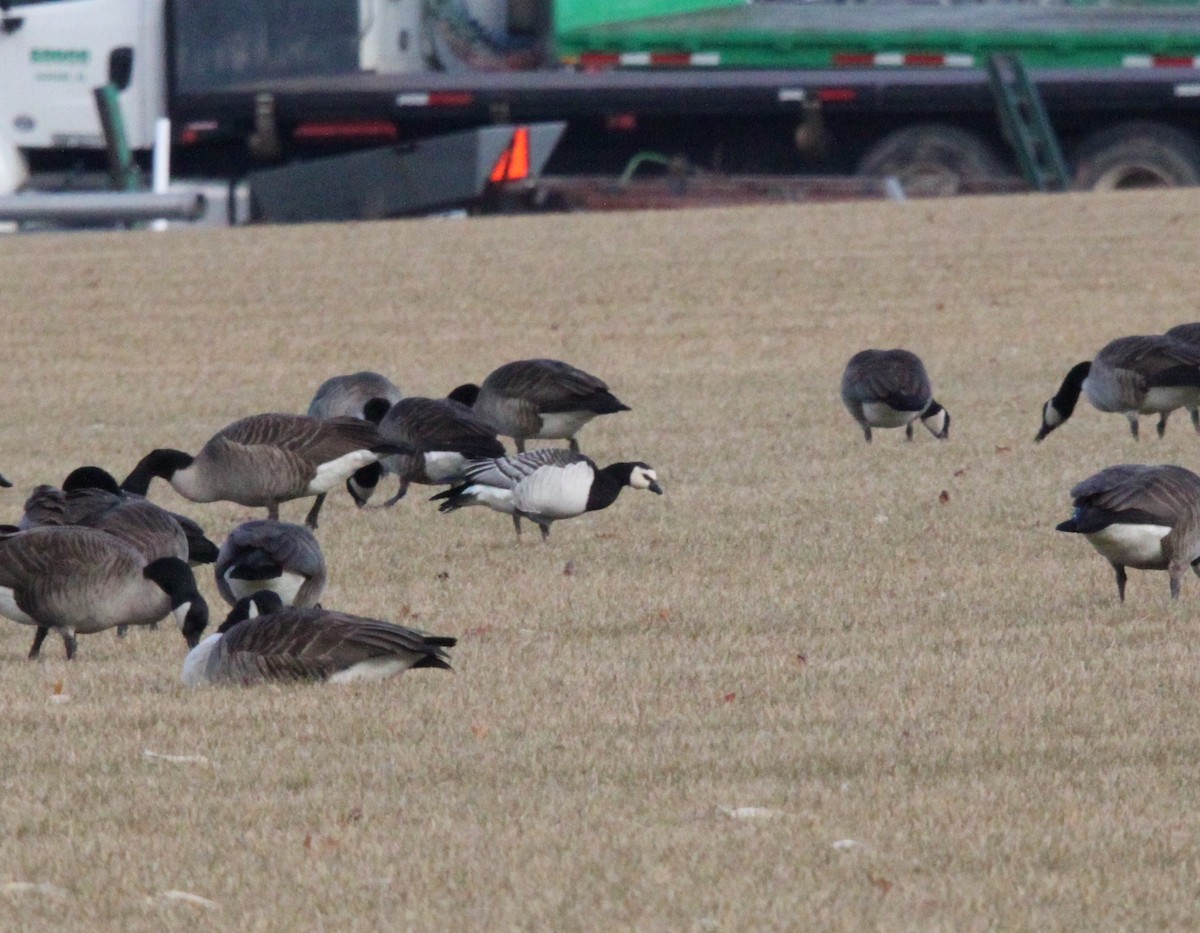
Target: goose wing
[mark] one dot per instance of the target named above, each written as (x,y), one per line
(1160,360)
(1135,492)
(429,424)
(316,440)
(507,472)
(894,377)
(314,644)
(552,386)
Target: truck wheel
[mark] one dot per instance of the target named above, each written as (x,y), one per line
(1137,155)
(932,159)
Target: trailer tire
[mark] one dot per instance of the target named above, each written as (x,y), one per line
(932,159)
(1137,155)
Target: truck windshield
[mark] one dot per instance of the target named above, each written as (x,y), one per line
(225,42)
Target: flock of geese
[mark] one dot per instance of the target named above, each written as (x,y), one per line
(96,554)
(1139,516)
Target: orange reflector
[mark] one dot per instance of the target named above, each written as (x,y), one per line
(513,164)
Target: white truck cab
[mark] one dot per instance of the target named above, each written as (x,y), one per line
(53,53)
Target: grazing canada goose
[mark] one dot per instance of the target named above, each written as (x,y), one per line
(269,555)
(1131,376)
(262,640)
(539,399)
(545,486)
(267,459)
(81,580)
(1146,517)
(365,395)
(90,497)
(443,434)
(890,389)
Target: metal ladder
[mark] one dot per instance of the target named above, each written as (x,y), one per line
(1025,124)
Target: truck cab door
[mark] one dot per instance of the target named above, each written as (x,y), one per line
(54,53)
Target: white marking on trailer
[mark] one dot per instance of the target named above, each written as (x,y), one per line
(412,100)
(790,95)
(889,58)
(635,58)
(706,59)
(1137,61)
(960,61)
(1187,90)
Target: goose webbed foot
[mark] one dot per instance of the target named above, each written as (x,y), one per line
(1121,578)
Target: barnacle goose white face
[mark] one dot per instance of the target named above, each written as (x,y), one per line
(643,477)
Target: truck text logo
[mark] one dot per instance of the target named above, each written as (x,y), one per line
(59,56)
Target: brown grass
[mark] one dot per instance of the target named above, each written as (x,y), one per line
(948,717)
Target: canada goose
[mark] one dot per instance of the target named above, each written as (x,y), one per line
(365,395)
(1130,376)
(90,497)
(82,580)
(539,399)
(545,485)
(444,435)
(1188,333)
(266,459)
(1146,517)
(262,640)
(890,389)
(269,555)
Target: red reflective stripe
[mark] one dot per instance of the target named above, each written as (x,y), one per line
(670,58)
(599,60)
(348,129)
(854,58)
(924,59)
(1174,61)
(836,95)
(450,98)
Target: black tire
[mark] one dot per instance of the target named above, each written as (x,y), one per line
(1137,155)
(931,159)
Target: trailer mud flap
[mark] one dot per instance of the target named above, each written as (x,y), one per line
(439,173)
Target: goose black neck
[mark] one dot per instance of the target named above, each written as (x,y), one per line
(1068,393)
(163,463)
(607,485)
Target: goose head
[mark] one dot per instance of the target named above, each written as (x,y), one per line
(361,484)
(175,578)
(937,420)
(163,463)
(642,476)
(90,477)
(465,394)
(262,603)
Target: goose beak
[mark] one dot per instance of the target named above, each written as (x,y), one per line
(655,488)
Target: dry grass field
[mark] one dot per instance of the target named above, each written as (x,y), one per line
(816,685)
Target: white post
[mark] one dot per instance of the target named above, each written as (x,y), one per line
(161,165)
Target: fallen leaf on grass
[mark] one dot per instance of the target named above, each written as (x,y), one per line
(801,660)
(480,731)
(944,496)
(569,569)
(730,697)
(961,471)
(478,631)
(178,759)
(320,844)
(1003,450)
(881,884)
(442,575)
(353,815)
